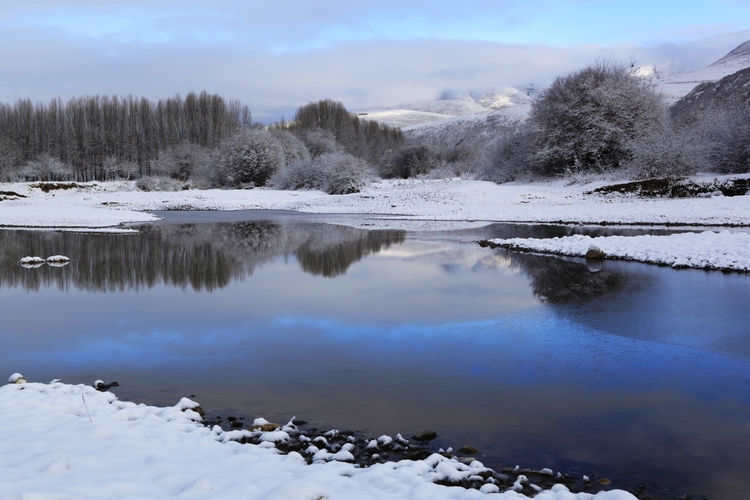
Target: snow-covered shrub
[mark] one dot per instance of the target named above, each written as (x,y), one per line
(180,161)
(320,142)
(46,168)
(115,168)
(294,149)
(509,159)
(249,157)
(666,152)
(589,120)
(729,133)
(334,173)
(160,183)
(409,161)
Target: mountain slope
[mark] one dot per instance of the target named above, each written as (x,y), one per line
(679,85)
(729,92)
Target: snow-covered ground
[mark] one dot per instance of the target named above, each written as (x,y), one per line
(71,441)
(705,250)
(100,205)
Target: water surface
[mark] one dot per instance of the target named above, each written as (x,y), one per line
(635,372)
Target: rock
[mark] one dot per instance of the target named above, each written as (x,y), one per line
(102,387)
(427,435)
(265,427)
(468,450)
(17,378)
(198,410)
(594,252)
(604,481)
(237,424)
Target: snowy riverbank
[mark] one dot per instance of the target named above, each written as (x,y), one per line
(705,250)
(108,204)
(71,441)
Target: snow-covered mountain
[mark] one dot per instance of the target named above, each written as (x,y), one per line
(462,104)
(459,116)
(679,85)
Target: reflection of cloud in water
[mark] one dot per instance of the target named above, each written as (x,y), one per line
(202,256)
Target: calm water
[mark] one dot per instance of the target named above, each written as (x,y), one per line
(636,373)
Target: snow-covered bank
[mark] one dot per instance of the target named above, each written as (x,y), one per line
(96,205)
(70,441)
(706,250)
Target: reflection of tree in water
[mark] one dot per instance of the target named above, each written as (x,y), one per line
(558,281)
(202,256)
(330,253)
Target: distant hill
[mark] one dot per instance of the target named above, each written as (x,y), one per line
(679,85)
(730,91)
(459,117)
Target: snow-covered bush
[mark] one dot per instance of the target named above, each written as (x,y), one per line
(294,149)
(668,152)
(160,183)
(249,157)
(46,168)
(320,142)
(115,168)
(729,133)
(180,161)
(509,158)
(409,161)
(589,120)
(334,173)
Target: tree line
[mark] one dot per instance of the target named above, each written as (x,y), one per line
(92,136)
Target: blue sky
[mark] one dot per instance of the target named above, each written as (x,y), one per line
(276,55)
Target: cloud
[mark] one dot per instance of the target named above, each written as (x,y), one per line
(276,56)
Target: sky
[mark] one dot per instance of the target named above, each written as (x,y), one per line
(277,55)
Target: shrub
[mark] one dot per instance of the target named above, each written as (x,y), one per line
(160,183)
(509,159)
(589,120)
(334,173)
(46,168)
(249,157)
(729,132)
(320,142)
(180,161)
(116,168)
(294,149)
(409,161)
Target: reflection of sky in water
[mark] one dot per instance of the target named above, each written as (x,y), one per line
(427,334)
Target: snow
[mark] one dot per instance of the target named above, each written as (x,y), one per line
(454,106)
(704,250)
(71,441)
(412,200)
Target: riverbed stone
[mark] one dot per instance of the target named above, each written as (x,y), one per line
(427,435)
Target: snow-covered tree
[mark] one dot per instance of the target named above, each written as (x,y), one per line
(589,120)
(250,157)
(45,168)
